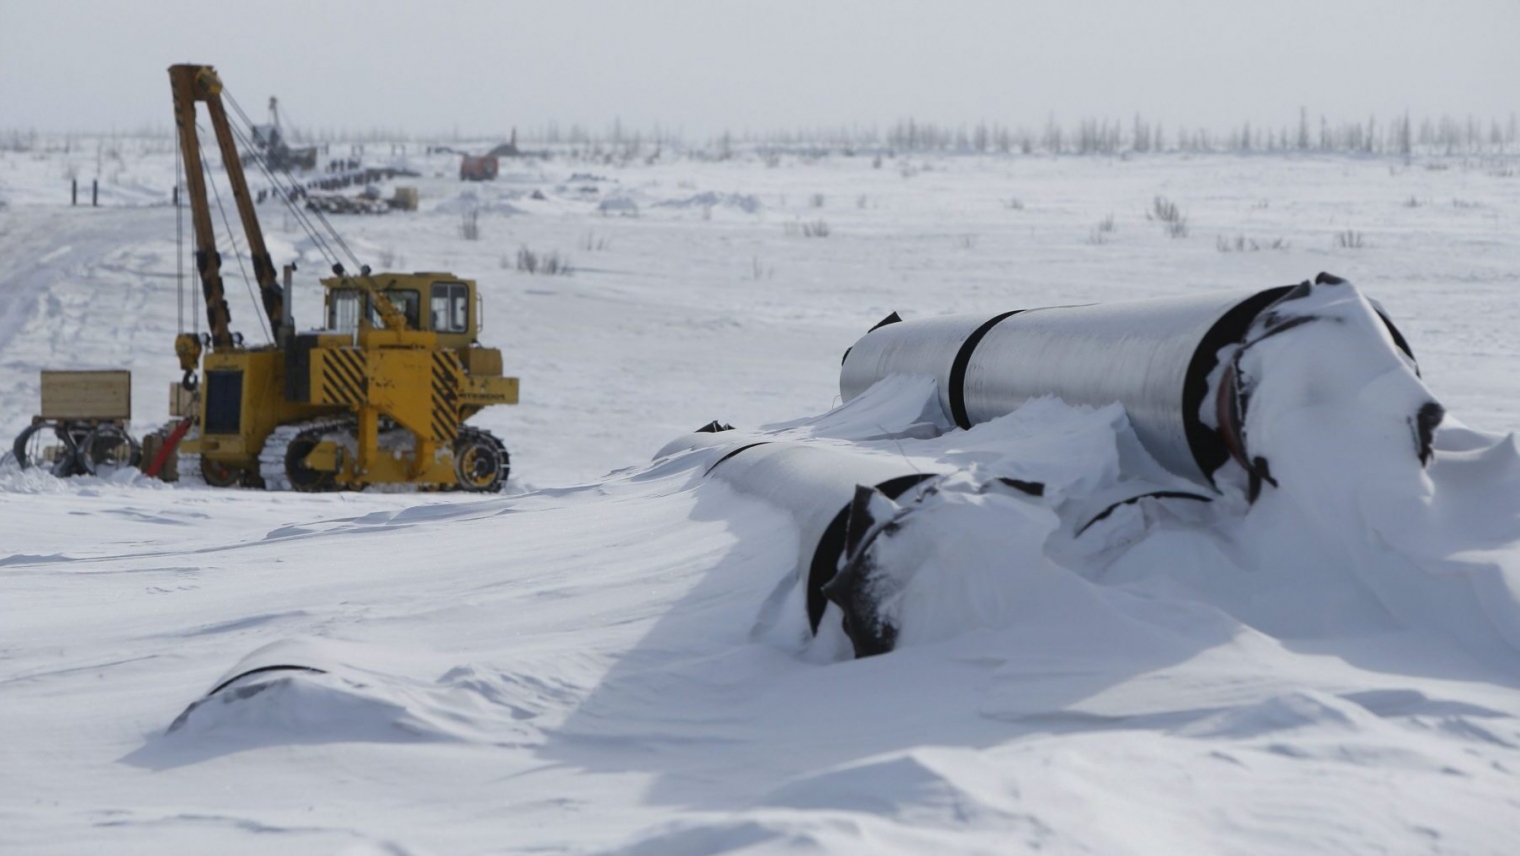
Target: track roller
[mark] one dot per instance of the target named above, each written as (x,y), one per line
(481,461)
(282,461)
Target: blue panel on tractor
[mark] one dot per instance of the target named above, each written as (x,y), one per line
(224,402)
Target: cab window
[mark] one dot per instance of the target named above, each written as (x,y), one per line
(449,306)
(343,310)
(407,302)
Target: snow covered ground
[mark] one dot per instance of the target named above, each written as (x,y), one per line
(570,668)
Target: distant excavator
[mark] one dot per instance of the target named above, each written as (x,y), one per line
(379,396)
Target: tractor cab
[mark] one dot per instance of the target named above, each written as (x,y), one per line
(439,303)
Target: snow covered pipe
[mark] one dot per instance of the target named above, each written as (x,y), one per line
(815,485)
(1156,357)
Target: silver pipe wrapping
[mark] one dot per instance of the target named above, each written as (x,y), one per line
(925,346)
(1152,356)
(1139,353)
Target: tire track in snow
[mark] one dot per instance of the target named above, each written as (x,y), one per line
(58,268)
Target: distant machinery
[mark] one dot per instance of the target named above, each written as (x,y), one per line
(478,167)
(486,167)
(508,149)
(269,142)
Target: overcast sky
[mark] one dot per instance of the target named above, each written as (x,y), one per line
(483,67)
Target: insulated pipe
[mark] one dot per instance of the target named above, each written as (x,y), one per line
(926,346)
(1156,357)
(815,485)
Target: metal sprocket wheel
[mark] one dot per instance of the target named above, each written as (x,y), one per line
(481,462)
(301,477)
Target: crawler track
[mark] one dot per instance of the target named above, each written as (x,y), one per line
(274,464)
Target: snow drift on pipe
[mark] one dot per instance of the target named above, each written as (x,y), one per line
(1101,485)
(814,484)
(989,511)
(1377,511)
(1158,358)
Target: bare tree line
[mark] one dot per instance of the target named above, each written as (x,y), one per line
(1400,135)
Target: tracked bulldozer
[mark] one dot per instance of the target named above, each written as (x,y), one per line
(378,396)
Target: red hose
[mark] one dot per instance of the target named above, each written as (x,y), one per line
(170,444)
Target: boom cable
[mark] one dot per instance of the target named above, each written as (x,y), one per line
(286,196)
(258,309)
(289,202)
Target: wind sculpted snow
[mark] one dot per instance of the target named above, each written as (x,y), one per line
(585,667)
(531,660)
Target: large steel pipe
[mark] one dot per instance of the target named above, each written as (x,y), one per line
(815,485)
(1155,357)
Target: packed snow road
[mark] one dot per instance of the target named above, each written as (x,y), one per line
(578,668)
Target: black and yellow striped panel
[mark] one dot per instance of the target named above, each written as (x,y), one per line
(343,377)
(446,375)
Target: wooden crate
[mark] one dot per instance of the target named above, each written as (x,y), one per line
(87,394)
(181,400)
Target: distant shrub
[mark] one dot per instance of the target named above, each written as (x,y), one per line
(1350,239)
(549,263)
(1173,220)
(807,229)
(1242,244)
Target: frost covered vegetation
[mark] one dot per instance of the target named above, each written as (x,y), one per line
(571,668)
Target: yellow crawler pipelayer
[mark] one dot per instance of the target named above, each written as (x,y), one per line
(386,385)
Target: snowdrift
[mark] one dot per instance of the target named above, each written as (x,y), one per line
(1063,640)
(1381,512)
(866,631)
